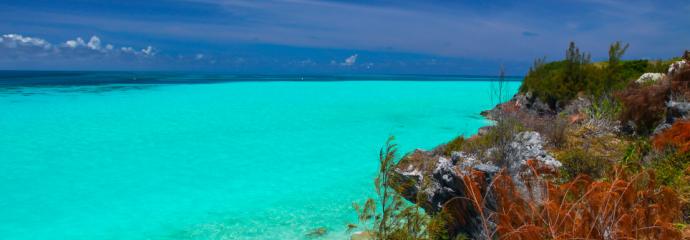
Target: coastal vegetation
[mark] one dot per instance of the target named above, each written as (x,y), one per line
(585,150)
(559,82)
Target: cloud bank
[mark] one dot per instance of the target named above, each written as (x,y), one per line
(16,49)
(71,48)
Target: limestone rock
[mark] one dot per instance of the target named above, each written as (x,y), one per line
(530,145)
(650,78)
(434,179)
(677,67)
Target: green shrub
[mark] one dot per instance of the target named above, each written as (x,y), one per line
(438,227)
(454,145)
(671,168)
(389,216)
(633,159)
(578,161)
(556,83)
(657,66)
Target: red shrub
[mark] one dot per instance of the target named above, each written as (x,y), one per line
(677,137)
(644,105)
(626,207)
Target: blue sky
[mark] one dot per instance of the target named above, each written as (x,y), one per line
(309,36)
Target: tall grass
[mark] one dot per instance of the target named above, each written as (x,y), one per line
(624,207)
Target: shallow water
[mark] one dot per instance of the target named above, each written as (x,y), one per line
(233,160)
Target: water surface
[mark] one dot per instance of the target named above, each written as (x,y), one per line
(224,159)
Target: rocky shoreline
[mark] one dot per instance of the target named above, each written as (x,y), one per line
(436,179)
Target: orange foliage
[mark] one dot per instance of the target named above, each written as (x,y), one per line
(627,207)
(644,105)
(678,137)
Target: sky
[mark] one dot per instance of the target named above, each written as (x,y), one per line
(330,37)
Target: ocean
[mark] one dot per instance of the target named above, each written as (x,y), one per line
(117,155)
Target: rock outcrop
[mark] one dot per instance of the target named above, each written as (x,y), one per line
(526,103)
(650,78)
(677,67)
(432,179)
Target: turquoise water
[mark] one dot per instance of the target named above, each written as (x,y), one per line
(234,160)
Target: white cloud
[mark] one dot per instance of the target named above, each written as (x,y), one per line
(199,56)
(94,43)
(77,48)
(148,51)
(75,43)
(17,40)
(351,60)
(127,49)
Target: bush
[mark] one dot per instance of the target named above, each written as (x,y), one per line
(389,216)
(556,83)
(643,106)
(603,107)
(677,137)
(657,66)
(454,145)
(673,170)
(578,161)
(499,138)
(625,207)
(555,129)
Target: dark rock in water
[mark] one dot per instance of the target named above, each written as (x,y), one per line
(318,232)
(434,181)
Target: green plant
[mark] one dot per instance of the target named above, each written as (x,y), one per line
(454,145)
(438,227)
(578,161)
(555,130)
(613,68)
(499,138)
(557,83)
(632,160)
(657,66)
(603,107)
(389,216)
(673,170)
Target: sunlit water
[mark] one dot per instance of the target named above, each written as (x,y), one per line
(234,160)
